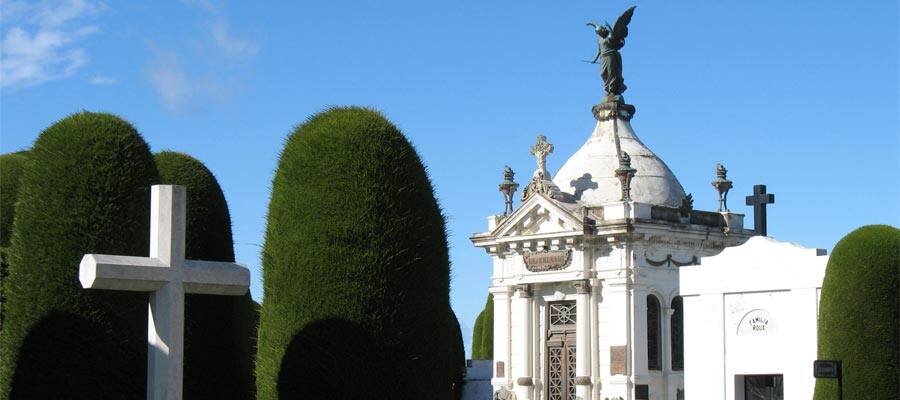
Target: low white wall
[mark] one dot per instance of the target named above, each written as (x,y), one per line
(751,310)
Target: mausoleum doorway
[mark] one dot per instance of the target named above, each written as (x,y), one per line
(759,387)
(561,351)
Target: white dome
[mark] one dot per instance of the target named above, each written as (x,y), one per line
(589,174)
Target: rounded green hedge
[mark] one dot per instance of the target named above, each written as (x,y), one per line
(458,362)
(86,190)
(11,167)
(478,337)
(355,267)
(859,314)
(220,331)
(487,334)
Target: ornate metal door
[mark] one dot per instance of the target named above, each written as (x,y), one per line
(561,351)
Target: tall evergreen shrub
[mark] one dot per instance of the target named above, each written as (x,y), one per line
(86,189)
(487,330)
(478,337)
(859,315)
(458,362)
(11,167)
(355,267)
(220,331)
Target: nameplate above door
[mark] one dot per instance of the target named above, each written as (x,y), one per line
(547,260)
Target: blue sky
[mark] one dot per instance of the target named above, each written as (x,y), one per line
(800,95)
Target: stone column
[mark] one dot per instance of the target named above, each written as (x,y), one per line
(525,383)
(502,374)
(582,340)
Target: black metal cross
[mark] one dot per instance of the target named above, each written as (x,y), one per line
(758,200)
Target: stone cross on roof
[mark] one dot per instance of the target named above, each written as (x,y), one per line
(758,200)
(540,151)
(167,276)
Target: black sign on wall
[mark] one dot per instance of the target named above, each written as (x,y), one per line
(827,369)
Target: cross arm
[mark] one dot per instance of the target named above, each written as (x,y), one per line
(210,277)
(141,274)
(760,198)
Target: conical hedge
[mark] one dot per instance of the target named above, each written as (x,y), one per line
(859,314)
(483,332)
(11,167)
(86,189)
(458,362)
(220,331)
(355,268)
(487,330)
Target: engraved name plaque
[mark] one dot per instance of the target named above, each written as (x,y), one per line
(547,260)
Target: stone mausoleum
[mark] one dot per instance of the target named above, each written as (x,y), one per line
(609,285)
(585,270)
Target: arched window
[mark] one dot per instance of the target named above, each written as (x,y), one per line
(677,324)
(653,331)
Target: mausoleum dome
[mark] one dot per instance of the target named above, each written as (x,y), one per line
(589,174)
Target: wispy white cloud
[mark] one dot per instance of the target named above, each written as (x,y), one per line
(216,63)
(232,46)
(103,80)
(42,41)
(170,81)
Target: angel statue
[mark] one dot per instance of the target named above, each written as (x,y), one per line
(611,40)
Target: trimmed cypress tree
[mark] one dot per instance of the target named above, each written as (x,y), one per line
(86,189)
(487,327)
(859,317)
(478,337)
(355,267)
(11,167)
(458,362)
(220,331)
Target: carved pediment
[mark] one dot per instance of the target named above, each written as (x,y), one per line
(538,215)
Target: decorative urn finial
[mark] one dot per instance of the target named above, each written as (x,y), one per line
(625,174)
(508,188)
(722,185)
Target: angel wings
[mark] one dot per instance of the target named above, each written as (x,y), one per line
(618,32)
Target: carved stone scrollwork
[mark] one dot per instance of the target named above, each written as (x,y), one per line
(547,260)
(524,291)
(582,286)
(540,185)
(607,111)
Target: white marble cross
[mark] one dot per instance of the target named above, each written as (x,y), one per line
(167,276)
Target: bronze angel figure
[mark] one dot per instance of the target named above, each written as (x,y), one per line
(611,40)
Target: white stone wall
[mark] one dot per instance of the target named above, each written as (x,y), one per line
(752,310)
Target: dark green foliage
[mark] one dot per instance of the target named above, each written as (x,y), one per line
(458,362)
(11,167)
(86,189)
(483,332)
(355,241)
(859,317)
(220,331)
(487,334)
(477,337)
